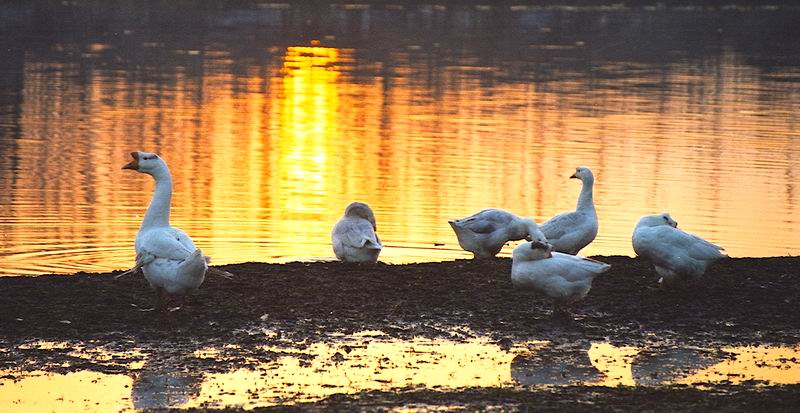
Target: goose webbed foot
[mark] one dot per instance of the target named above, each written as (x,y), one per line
(181,303)
(222,273)
(144,310)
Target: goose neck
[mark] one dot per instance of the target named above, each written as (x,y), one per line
(158,212)
(585,201)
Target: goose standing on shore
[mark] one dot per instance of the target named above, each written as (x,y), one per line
(569,232)
(564,278)
(354,238)
(165,254)
(485,233)
(677,255)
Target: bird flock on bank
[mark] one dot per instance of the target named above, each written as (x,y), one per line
(547,262)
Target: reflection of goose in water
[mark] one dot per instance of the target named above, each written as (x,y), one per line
(556,365)
(164,383)
(658,367)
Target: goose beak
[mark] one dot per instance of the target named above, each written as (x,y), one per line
(538,245)
(574,176)
(134,164)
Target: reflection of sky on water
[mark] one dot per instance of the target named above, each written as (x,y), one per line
(289,372)
(274,118)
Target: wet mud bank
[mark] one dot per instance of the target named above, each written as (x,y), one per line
(329,318)
(740,300)
(569,399)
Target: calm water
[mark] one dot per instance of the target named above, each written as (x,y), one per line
(273,117)
(369,360)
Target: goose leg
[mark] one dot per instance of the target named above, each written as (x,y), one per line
(158,302)
(181,302)
(559,312)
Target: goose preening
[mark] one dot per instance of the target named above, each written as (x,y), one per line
(564,278)
(165,254)
(569,232)
(485,233)
(676,254)
(354,238)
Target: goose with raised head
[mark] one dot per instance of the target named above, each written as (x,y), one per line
(165,254)
(677,255)
(484,233)
(570,232)
(564,278)
(354,238)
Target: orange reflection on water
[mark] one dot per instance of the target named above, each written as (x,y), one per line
(266,156)
(770,365)
(365,361)
(73,392)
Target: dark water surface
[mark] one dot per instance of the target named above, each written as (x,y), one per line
(274,116)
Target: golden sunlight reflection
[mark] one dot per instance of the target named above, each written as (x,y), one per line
(324,369)
(266,155)
(72,392)
(614,362)
(370,361)
(770,365)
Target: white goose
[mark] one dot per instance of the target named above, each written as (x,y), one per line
(165,254)
(569,232)
(676,254)
(485,233)
(564,278)
(354,238)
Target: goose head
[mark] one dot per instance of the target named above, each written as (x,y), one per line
(361,210)
(532,251)
(583,173)
(658,220)
(542,249)
(145,162)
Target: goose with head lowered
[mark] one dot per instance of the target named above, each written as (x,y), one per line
(484,233)
(569,232)
(165,254)
(354,238)
(678,256)
(564,278)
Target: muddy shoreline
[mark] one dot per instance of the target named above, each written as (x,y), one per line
(742,301)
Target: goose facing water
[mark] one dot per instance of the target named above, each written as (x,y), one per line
(165,254)
(677,255)
(562,277)
(485,232)
(354,238)
(569,232)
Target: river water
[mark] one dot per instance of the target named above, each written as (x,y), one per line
(273,117)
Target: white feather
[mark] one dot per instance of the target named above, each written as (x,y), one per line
(485,232)
(354,238)
(676,254)
(570,232)
(564,278)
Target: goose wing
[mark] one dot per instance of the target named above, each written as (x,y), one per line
(357,233)
(561,224)
(576,268)
(486,221)
(169,243)
(665,244)
(701,249)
